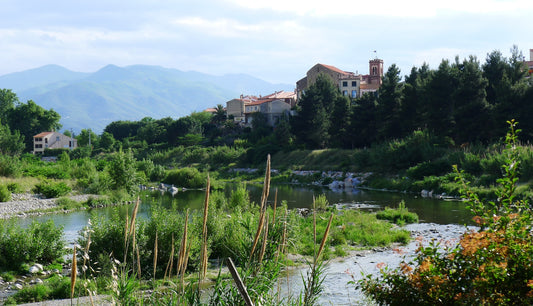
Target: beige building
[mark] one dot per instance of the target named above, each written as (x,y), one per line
(273,105)
(273,109)
(52,140)
(349,83)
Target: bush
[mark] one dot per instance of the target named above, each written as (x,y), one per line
(10,166)
(489,266)
(40,242)
(52,189)
(186,177)
(5,194)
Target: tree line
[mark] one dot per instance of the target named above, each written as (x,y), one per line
(459,102)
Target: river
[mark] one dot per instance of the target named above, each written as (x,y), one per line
(439,219)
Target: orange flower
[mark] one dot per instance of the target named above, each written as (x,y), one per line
(381,265)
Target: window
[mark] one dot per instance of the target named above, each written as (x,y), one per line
(46,140)
(345,84)
(344,92)
(354,93)
(354,83)
(374,70)
(57,138)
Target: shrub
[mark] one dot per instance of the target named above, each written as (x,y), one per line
(489,266)
(5,194)
(186,177)
(10,166)
(52,189)
(40,242)
(15,187)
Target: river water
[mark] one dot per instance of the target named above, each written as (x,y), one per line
(439,219)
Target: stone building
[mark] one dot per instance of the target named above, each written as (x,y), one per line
(349,83)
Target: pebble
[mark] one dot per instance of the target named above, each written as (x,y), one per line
(22,204)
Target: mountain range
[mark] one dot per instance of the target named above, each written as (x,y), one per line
(93,100)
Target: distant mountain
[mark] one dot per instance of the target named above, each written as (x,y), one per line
(93,100)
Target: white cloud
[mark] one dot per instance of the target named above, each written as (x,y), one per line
(409,8)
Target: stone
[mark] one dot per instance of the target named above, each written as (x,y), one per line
(17,286)
(36,268)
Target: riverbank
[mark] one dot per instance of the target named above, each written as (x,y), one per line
(27,204)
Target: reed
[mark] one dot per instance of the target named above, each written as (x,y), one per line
(264,197)
(73,274)
(155,254)
(183,250)
(170,260)
(203,260)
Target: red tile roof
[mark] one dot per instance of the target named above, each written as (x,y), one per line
(335,69)
(43,134)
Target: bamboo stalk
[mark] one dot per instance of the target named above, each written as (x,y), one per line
(183,246)
(138,262)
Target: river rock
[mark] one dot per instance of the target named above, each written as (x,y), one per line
(17,286)
(36,268)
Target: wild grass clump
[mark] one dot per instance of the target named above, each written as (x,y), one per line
(400,215)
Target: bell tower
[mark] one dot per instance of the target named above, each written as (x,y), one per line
(375,71)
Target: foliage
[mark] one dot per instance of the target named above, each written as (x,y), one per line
(400,215)
(40,242)
(10,166)
(122,171)
(185,177)
(5,194)
(51,189)
(491,265)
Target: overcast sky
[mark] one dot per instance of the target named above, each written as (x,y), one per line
(275,40)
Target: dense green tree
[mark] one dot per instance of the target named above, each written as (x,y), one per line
(8,101)
(471,108)
(122,171)
(389,105)
(340,123)
(438,109)
(86,136)
(122,129)
(363,121)
(11,143)
(31,119)
(311,125)
(260,127)
(282,132)
(413,99)
(107,142)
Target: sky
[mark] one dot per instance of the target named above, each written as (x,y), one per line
(274,40)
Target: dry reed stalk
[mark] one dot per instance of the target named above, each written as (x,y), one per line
(264,197)
(134,216)
(183,246)
(73,274)
(155,254)
(263,246)
(126,231)
(185,263)
(203,261)
(275,204)
(324,239)
(138,263)
(170,260)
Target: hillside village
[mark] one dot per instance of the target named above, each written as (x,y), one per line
(277,104)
